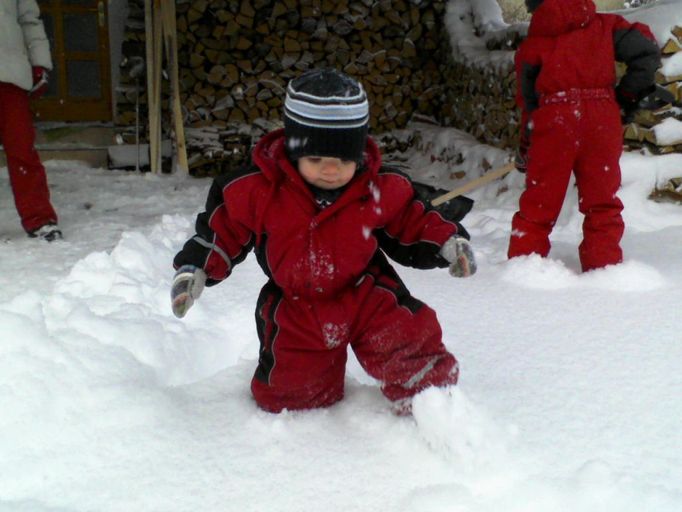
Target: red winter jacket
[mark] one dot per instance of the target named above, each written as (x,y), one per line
(307,251)
(571,46)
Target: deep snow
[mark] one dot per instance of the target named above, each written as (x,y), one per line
(570,396)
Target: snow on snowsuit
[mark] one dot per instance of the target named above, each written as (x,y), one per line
(23,44)
(566,76)
(330,284)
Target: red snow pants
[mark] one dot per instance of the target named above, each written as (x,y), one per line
(26,172)
(396,338)
(575,131)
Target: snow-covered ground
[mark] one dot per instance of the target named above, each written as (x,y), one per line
(570,397)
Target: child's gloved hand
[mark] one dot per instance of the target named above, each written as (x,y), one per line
(521,159)
(628,102)
(521,156)
(188,284)
(457,250)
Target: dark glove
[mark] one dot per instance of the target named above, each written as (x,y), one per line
(521,159)
(40,79)
(188,284)
(458,252)
(521,156)
(628,102)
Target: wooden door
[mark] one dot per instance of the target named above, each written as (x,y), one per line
(80,83)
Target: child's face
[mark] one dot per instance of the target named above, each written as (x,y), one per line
(326,172)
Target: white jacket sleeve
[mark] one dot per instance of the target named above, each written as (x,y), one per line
(36,41)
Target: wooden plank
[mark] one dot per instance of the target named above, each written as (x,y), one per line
(671,46)
(170,37)
(677,32)
(149,54)
(473,184)
(154,52)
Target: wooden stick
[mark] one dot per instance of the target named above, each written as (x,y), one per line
(170,37)
(478,182)
(149,56)
(155,100)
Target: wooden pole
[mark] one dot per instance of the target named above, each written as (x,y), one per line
(171,40)
(156,90)
(153,48)
(478,182)
(149,56)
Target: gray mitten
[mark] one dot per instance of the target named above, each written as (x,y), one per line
(457,250)
(188,284)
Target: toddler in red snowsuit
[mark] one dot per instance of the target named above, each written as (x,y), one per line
(321,213)
(571,121)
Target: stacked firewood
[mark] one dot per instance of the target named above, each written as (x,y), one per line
(481,102)
(656,126)
(236,57)
(479,78)
(659,129)
(214,147)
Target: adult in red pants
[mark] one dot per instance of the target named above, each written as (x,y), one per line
(571,122)
(24,61)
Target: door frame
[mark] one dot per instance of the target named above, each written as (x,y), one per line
(63,107)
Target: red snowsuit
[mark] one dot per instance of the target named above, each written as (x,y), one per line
(566,77)
(330,284)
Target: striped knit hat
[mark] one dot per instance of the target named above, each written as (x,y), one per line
(326,113)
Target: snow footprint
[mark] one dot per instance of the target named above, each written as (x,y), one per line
(460,431)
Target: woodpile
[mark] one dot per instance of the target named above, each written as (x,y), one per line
(236,57)
(646,128)
(481,102)
(480,85)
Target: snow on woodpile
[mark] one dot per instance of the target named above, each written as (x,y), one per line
(480,82)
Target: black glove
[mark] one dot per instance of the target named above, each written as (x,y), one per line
(188,284)
(628,102)
(457,250)
(521,156)
(521,159)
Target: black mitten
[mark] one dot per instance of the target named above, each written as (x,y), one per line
(521,159)
(628,102)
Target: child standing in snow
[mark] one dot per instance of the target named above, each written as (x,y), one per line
(320,213)
(24,63)
(571,121)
